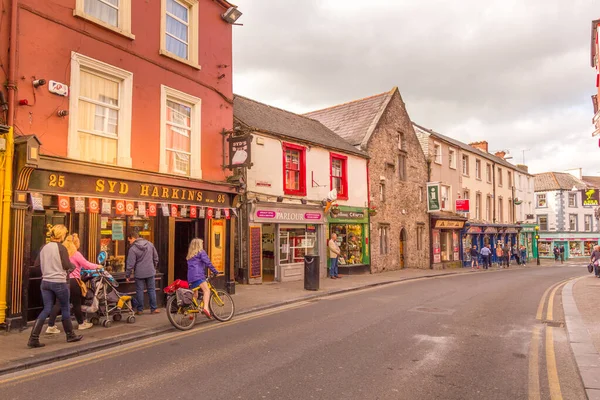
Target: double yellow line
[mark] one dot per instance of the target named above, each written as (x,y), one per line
(534,367)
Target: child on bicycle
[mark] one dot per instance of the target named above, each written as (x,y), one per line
(198,261)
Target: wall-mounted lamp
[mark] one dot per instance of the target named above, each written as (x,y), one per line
(39,82)
(62,113)
(231,15)
(279,199)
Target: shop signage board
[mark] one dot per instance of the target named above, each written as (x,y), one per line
(118,230)
(217,248)
(433,197)
(352,215)
(590,197)
(449,224)
(298,215)
(462,205)
(255,252)
(89,186)
(240,151)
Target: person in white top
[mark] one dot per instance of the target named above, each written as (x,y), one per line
(334,253)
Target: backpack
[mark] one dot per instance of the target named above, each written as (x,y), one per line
(184,297)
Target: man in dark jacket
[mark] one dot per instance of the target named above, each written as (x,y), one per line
(142,260)
(506,255)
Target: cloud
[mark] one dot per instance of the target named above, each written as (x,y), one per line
(511,72)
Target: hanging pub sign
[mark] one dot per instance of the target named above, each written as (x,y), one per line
(240,151)
(590,197)
(37,201)
(106,206)
(433,197)
(79,205)
(94,205)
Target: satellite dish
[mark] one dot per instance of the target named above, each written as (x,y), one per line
(102,256)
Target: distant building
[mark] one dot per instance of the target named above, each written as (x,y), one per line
(562,214)
(500,197)
(381,126)
(595,50)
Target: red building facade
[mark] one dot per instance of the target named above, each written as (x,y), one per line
(127,102)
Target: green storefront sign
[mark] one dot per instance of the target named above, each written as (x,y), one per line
(433,197)
(351,224)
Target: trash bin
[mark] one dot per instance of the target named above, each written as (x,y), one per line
(311,272)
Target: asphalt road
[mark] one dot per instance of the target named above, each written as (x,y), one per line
(461,337)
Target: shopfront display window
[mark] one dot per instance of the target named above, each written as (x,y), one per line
(545,249)
(296,241)
(467,240)
(113,237)
(435,244)
(350,240)
(588,247)
(446,245)
(575,249)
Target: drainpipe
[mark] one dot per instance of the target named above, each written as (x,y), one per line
(7,164)
(494,192)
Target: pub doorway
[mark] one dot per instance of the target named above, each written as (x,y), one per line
(268,252)
(185,231)
(402,248)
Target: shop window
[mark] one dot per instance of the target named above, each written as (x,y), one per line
(179,31)
(542,222)
(573,200)
(296,241)
(573,222)
(402,166)
(452,158)
(383,239)
(478,206)
(545,249)
(509,178)
(465,165)
(588,223)
(350,240)
(100,100)
(478,169)
(488,208)
(294,169)
(588,247)
(445,196)
(339,175)
(113,237)
(499,177)
(447,245)
(180,133)
(500,210)
(112,14)
(437,153)
(575,249)
(541,200)
(488,173)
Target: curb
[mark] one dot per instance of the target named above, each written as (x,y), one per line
(586,355)
(60,355)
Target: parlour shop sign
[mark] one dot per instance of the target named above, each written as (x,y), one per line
(283,215)
(89,186)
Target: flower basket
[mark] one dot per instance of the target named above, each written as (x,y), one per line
(372,212)
(335,210)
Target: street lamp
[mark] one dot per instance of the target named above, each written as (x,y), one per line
(537,243)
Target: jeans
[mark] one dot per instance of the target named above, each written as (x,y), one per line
(52,291)
(485,260)
(139,291)
(333,271)
(75,297)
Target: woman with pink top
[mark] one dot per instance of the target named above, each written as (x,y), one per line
(72,244)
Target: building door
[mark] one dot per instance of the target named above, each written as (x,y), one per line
(185,231)
(402,248)
(564,245)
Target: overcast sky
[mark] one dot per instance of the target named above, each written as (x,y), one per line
(513,72)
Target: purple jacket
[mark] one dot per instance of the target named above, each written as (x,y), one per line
(197,267)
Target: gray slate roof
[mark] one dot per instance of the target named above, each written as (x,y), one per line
(420,129)
(353,120)
(549,181)
(278,122)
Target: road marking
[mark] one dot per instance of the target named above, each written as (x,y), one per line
(555,393)
(550,310)
(534,365)
(540,310)
(44,370)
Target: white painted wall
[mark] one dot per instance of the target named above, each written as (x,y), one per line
(558,205)
(268,168)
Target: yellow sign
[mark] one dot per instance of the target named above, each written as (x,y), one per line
(443,223)
(217,244)
(590,197)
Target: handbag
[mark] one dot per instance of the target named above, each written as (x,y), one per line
(82,286)
(590,268)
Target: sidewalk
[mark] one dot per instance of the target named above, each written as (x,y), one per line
(583,326)
(14,354)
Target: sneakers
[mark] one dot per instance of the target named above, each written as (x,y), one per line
(85,325)
(52,330)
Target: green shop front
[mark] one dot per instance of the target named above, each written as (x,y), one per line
(576,244)
(527,239)
(351,224)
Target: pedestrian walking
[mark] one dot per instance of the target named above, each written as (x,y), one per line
(486,254)
(499,255)
(516,254)
(474,257)
(562,254)
(556,253)
(595,260)
(142,261)
(506,255)
(54,263)
(72,244)
(334,253)
(523,255)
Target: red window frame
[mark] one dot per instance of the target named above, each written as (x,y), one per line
(344,160)
(302,159)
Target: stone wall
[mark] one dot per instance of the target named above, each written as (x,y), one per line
(404,207)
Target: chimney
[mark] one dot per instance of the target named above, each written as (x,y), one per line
(523,167)
(500,154)
(483,145)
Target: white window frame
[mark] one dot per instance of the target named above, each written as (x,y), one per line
(499,177)
(538,197)
(193,36)
(452,158)
(78,62)
(437,156)
(576,223)
(464,162)
(195,103)
(446,202)
(478,169)
(574,197)
(478,206)
(123,21)
(488,208)
(588,223)
(488,176)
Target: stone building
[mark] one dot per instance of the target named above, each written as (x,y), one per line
(397,170)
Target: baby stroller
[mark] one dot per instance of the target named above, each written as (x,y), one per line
(104,300)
